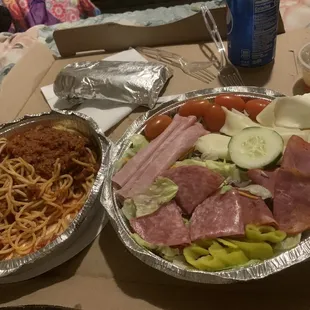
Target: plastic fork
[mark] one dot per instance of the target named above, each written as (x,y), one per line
(228,73)
(196,69)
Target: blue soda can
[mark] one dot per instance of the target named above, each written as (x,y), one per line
(252,27)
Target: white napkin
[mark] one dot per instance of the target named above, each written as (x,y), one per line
(104,113)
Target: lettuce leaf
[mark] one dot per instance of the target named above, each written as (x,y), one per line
(225,169)
(257,190)
(288,243)
(138,142)
(166,252)
(129,209)
(160,192)
(225,189)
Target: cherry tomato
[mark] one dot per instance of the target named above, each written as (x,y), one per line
(215,118)
(230,102)
(156,125)
(255,106)
(194,107)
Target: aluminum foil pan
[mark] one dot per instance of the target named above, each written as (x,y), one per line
(120,82)
(108,199)
(86,126)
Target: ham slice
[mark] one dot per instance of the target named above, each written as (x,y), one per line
(163,227)
(291,205)
(297,155)
(225,215)
(136,165)
(263,178)
(164,159)
(218,216)
(195,185)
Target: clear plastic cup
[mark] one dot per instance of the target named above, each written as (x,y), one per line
(304,63)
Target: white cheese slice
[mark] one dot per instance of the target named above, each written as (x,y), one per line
(235,122)
(286,133)
(290,112)
(266,117)
(293,112)
(213,146)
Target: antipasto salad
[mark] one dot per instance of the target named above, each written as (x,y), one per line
(223,183)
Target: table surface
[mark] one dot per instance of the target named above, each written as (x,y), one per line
(106,276)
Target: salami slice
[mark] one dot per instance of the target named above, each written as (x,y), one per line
(297,155)
(256,212)
(263,178)
(223,215)
(195,185)
(163,227)
(291,206)
(219,215)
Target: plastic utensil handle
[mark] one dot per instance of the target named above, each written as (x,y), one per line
(160,55)
(214,33)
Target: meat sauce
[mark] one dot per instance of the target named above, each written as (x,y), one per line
(42,146)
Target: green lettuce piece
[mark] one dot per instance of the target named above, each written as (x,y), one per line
(143,243)
(264,233)
(138,142)
(257,190)
(186,222)
(223,168)
(225,189)
(254,250)
(129,209)
(190,162)
(181,262)
(166,252)
(289,243)
(160,192)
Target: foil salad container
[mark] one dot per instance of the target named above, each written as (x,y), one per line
(120,82)
(86,126)
(112,205)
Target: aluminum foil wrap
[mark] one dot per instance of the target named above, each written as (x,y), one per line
(133,83)
(110,202)
(90,129)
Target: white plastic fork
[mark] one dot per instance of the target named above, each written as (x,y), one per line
(196,69)
(228,73)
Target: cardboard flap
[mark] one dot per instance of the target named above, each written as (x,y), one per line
(23,79)
(115,37)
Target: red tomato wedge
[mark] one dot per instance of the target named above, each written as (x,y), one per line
(194,107)
(156,125)
(230,102)
(214,118)
(255,106)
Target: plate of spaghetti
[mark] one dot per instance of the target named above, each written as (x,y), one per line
(51,171)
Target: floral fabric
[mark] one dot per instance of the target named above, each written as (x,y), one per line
(28,13)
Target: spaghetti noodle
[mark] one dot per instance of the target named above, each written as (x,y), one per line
(45,177)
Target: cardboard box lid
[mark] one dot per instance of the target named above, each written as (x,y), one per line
(115,37)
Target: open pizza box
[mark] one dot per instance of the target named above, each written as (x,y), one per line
(105,275)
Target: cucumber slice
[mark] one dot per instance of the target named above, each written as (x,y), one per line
(255,147)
